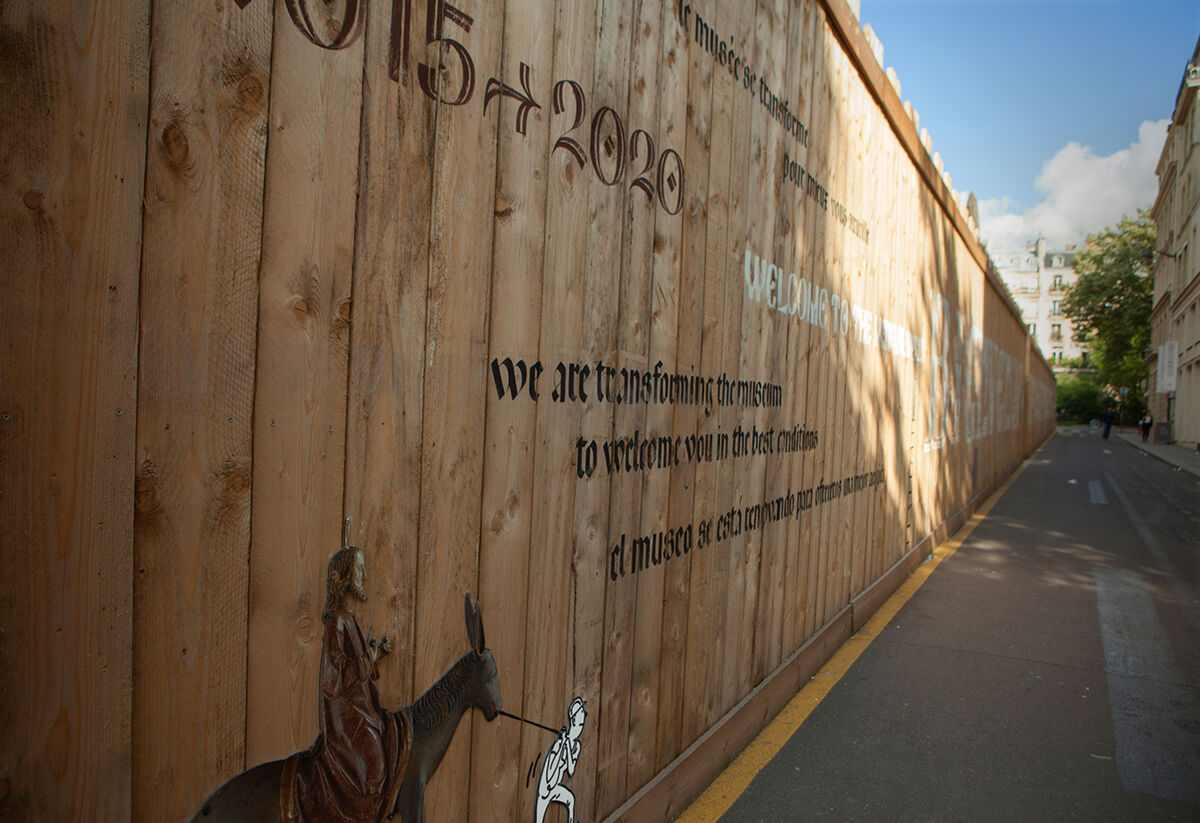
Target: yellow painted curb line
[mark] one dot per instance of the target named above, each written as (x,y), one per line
(732,782)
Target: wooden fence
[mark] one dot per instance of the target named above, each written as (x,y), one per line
(650,324)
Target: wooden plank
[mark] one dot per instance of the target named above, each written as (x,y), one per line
(760,338)
(802,26)
(658,313)
(824,533)
(844,361)
(822,387)
(846,371)
(870,294)
(387,357)
(952,479)
(567,571)
(878,430)
(854,190)
(201,253)
(929,424)
(805,550)
(629,289)
(918,322)
(685,124)
(71,171)
(907,255)
(301,376)
(931,418)
(725,294)
(776,329)
(707,583)
(891,496)
(959,479)
(875,431)
(941,400)
(519,579)
(741,571)
(456,373)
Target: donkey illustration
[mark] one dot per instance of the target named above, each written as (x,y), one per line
(473,682)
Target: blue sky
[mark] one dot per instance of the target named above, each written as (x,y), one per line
(1051,111)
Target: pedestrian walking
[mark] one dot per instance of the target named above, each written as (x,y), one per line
(1108,421)
(1147,424)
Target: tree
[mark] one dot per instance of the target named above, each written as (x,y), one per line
(1080,398)
(1110,303)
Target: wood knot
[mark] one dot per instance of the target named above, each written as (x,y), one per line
(175,149)
(344,310)
(250,92)
(237,483)
(232,482)
(145,490)
(498,521)
(32,200)
(301,310)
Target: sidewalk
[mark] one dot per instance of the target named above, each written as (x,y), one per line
(1186,459)
(1044,665)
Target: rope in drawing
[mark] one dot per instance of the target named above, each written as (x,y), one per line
(560,760)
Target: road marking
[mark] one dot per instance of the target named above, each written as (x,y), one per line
(733,782)
(1153,709)
(1187,599)
(1096,493)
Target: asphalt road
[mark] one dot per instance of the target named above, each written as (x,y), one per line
(1049,670)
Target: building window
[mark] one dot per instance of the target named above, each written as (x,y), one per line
(1058,283)
(1056,331)
(1056,307)
(1057,262)
(1033,329)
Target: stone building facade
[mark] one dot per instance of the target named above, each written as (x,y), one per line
(1038,279)
(1174,383)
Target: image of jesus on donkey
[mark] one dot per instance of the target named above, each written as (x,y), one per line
(367,763)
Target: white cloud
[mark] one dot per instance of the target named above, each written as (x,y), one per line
(1084,193)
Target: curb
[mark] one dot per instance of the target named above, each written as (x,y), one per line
(1163,457)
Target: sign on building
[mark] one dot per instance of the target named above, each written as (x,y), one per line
(1168,364)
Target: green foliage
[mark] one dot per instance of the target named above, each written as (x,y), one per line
(1110,303)
(1131,409)
(1081,398)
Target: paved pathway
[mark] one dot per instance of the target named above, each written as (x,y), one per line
(1048,670)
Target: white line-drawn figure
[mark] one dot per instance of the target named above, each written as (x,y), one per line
(560,760)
